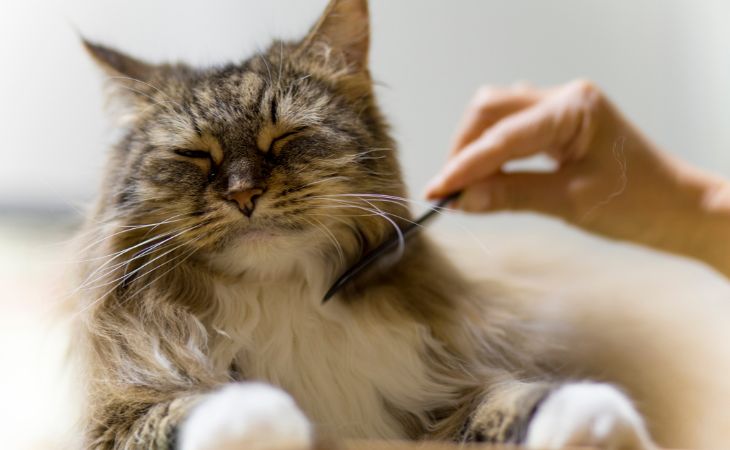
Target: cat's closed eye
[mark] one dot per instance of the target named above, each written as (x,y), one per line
(279,141)
(200,154)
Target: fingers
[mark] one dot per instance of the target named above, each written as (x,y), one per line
(559,123)
(547,193)
(517,136)
(488,106)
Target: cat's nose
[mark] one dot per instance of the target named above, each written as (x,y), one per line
(245,198)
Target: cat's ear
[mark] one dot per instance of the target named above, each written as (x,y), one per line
(345,28)
(129,79)
(117,64)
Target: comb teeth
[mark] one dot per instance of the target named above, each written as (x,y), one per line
(386,246)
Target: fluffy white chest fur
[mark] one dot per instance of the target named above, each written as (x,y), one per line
(344,369)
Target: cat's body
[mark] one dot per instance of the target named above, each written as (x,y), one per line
(237,195)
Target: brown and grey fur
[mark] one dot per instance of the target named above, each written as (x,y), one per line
(300,121)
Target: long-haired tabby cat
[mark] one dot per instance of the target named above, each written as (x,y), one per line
(235,197)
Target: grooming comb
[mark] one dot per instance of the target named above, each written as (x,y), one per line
(386,246)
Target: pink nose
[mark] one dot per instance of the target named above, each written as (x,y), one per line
(245,198)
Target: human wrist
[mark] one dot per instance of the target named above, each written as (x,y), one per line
(705,219)
(712,241)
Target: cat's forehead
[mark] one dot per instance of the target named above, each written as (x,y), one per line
(226,91)
(239,104)
(277,96)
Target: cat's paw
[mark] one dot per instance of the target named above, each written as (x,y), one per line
(588,414)
(251,416)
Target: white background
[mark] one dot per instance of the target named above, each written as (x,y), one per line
(665,62)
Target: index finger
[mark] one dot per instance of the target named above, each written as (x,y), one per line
(523,134)
(489,106)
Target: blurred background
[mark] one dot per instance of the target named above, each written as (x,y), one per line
(666,64)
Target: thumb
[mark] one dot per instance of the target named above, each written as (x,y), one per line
(519,191)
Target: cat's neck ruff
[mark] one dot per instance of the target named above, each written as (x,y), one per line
(271,260)
(345,366)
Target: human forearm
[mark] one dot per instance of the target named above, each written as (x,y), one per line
(709,241)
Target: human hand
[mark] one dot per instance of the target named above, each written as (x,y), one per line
(609,178)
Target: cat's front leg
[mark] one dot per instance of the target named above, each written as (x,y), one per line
(251,416)
(587,414)
(503,414)
(551,416)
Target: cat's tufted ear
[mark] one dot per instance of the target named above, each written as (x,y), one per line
(131,81)
(344,28)
(117,64)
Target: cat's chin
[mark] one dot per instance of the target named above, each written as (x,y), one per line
(257,237)
(265,254)
(254,238)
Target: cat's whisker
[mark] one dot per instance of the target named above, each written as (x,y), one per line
(370,202)
(324,180)
(129,228)
(111,269)
(87,281)
(342,161)
(363,155)
(107,222)
(75,238)
(342,215)
(88,231)
(394,199)
(168,237)
(112,289)
(184,258)
(110,258)
(440,210)
(92,277)
(376,149)
(402,199)
(375,211)
(399,232)
(354,201)
(147,251)
(126,275)
(331,236)
(380,211)
(339,219)
(384,215)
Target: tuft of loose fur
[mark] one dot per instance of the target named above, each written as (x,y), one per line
(184,294)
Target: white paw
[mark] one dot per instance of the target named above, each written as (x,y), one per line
(588,414)
(251,416)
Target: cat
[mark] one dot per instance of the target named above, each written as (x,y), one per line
(234,198)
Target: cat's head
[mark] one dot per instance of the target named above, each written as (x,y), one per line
(286,151)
